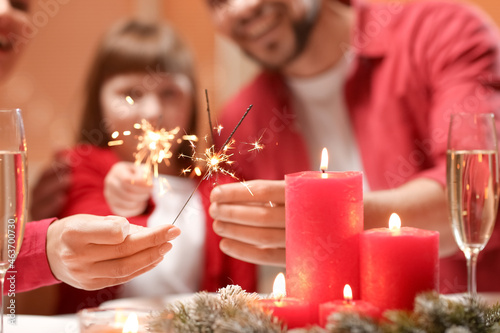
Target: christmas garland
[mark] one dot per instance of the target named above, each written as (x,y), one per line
(234,310)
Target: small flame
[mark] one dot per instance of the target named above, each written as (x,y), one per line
(129,100)
(347,293)
(394,222)
(279,286)
(324,163)
(132,324)
(324,160)
(190,138)
(197,171)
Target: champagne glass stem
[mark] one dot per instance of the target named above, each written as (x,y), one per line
(471,256)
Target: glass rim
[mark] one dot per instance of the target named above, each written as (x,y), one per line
(462,114)
(117,309)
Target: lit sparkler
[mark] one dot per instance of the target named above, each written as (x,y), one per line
(153,147)
(216,161)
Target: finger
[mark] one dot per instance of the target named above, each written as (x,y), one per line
(99,283)
(251,191)
(253,254)
(85,229)
(139,240)
(122,189)
(116,195)
(258,236)
(137,185)
(124,267)
(252,215)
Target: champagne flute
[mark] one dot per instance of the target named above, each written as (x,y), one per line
(13,187)
(472,184)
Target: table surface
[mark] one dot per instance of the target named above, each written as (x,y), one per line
(69,323)
(42,324)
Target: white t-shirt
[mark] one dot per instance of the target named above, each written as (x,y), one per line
(182,268)
(324,120)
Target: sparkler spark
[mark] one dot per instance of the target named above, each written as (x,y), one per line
(216,161)
(153,147)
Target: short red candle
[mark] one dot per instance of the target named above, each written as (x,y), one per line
(293,313)
(324,219)
(347,305)
(398,264)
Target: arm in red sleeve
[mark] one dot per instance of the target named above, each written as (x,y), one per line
(31,269)
(442,73)
(459,70)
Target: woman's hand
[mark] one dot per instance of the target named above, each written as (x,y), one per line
(94,252)
(251,220)
(126,190)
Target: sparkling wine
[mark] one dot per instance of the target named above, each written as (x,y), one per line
(13,208)
(472,180)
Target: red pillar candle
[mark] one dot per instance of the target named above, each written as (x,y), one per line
(397,264)
(324,219)
(293,313)
(347,305)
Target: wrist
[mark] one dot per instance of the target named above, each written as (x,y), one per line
(51,247)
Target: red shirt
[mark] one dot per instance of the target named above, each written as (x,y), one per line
(413,65)
(31,269)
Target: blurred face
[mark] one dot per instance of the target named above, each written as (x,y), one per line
(273,32)
(13,22)
(161,99)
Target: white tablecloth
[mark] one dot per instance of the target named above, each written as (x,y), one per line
(42,324)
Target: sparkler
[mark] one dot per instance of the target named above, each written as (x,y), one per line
(153,147)
(216,160)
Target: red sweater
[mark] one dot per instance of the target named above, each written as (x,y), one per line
(31,269)
(412,66)
(90,165)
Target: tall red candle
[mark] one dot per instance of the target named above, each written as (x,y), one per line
(324,219)
(397,264)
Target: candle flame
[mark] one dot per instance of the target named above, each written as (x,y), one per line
(279,286)
(347,293)
(132,324)
(324,160)
(394,222)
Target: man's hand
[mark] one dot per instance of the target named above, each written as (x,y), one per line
(251,220)
(125,189)
(93,252)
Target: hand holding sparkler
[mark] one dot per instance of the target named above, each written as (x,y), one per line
(252,224)
(126,190)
